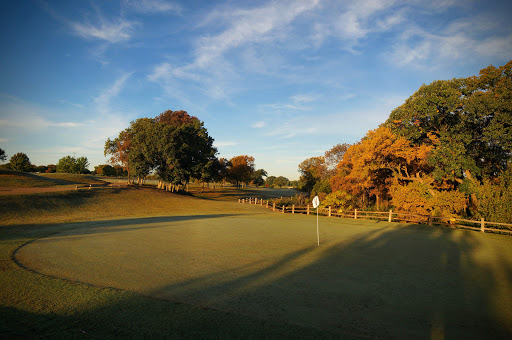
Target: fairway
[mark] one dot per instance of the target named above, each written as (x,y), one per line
(367,278)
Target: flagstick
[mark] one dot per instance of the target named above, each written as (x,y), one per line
(317,235)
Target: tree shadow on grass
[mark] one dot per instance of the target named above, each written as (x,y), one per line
(381,282)
(388,282)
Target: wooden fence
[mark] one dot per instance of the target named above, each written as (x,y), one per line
(390,216)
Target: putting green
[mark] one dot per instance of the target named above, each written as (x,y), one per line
(369,279)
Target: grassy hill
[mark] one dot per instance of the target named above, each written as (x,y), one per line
(11,178)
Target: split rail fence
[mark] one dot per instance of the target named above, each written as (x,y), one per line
(390,216)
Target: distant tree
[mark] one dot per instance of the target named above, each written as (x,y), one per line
(81,165)
(119,149)
(224,165)
(41,168)
(65,164)
(3,156)
(281,181)
(312,170)
(50,168)
(241,169)
(120,171)
(20,162)
(269,181)
(334,156)
(257,178)
(69,164)
(105,170)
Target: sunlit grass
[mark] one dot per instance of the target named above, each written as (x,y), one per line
(214,268)
(10,178)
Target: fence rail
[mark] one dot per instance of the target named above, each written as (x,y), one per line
(390,216)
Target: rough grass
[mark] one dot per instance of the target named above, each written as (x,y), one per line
(206,268)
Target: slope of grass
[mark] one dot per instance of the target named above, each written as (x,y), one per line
(11,178)
(33,305)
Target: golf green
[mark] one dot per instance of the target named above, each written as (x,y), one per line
(367,278)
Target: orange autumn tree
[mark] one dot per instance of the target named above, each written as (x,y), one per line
(119,149)
(368,167)
(241,169)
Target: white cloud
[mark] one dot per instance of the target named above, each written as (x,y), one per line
(66,124)
(220,144)
(210,70)
(113,32)
(102,101)
(80,106)
(153,6)
(258,125)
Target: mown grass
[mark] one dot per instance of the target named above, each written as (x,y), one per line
(16,179)
(33,305)
(210,268)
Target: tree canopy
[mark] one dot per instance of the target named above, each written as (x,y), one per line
(174,145)
(20,162)
(446,150)
(75,165)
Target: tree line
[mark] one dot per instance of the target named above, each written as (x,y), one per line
(446,151)
(68,164)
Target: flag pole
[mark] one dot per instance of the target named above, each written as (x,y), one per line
(317,234)
(316,205)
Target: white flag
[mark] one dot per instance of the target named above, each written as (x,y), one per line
(316,202)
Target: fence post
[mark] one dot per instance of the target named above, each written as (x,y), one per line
(308,209)
(430,218)
(267,204)
(390,215)
(261,201)
(482,225)
(355,214)
(329,211)
(283,208)
(293,208)
(239,200)
(273,207)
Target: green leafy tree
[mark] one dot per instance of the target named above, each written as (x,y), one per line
(269,181)
(312,170)
(338,199)
(258,179)
(69,164)
(281,181)
(105,170)
(20,162)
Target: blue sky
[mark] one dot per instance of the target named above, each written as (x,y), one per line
(279,80)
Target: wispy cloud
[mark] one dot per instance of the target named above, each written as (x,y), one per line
(102,101)
(112,31)
(210,68)
(80,106)
(258,125)
(153,6)
(220,144)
